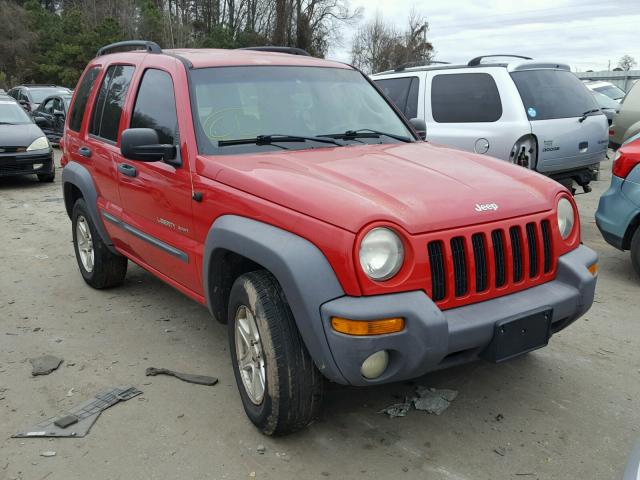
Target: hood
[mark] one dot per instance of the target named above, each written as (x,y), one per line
(418,186)
(19,135)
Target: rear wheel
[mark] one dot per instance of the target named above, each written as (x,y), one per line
(99,266)
(635,251)
(280,387)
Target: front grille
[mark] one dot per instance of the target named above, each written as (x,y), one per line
(475,265)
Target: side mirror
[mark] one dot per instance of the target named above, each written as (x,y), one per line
(420,127)
(143,145)
(39,120)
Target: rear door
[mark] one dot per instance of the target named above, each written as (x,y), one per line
(555,102)
(46,118)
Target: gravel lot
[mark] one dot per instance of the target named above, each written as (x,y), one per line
(569,411)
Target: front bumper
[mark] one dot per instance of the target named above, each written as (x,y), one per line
(12,164)
(615,213)
(435,339)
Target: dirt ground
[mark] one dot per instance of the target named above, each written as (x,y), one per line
(569,411)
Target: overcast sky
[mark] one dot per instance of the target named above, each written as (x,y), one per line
(584,33)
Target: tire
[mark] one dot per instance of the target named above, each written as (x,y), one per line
(47,177)
(105,269)
(635,251)
(292,393)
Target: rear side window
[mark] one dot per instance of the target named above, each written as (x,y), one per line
(156,106)
(403,92)
(80,103)
(108,107)
(548,94)
(465,98)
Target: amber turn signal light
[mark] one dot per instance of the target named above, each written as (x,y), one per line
(367,327)
(593,269)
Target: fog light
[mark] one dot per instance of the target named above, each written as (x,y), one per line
(375,365)
(36,166)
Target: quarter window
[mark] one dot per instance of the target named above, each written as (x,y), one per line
(156,106)
(465,98)
(108,107)
(403,92)
(80,103)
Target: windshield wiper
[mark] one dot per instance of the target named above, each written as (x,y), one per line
(366,133)
(276,138)
(584,115)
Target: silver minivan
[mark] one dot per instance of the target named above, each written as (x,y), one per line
(535,114)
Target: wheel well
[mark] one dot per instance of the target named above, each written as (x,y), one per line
(71,194)
(225,267)
(631,229)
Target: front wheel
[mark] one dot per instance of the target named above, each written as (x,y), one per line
(280,387)
(635,251)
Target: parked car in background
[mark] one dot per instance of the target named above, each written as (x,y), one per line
(30,96)
(290,197)
(24,149)
(531,113)
(626,123)
(606,88)
(50,116)
(608,106)
(632,470)
(618,214)
(2,91)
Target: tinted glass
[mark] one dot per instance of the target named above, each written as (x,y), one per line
(12,114)
(244,102)
(465,98)
(156,106)
(548,94)
(82,95)
(108,108)
(403,92)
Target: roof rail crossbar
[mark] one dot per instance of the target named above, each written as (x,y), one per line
(474,62)
(419,63)
(276,49)
(151,47)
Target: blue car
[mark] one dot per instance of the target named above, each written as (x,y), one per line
(618,214)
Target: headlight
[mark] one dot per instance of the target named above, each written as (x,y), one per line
(381,254)
(39,143)
(566,217)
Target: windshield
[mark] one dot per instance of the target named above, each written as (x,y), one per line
(611,91)
(11,113)
(548,94)
(605,102)
(233,103)
(39,94)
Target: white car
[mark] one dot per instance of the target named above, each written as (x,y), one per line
(606,88)
(532,113)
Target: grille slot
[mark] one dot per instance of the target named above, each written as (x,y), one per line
(438,273)
(516,250)
(459,266)
(546,245)
(497,238)
(532,241)
(480,259)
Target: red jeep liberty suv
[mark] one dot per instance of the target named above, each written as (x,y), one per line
(290,196)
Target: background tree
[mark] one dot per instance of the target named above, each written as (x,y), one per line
(627,62)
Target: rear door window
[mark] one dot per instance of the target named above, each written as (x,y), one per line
(548,94)
(82,96)
(403,92)
(108,107)
(465,98)
(156,106)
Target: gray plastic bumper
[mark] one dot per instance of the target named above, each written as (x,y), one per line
(435,339)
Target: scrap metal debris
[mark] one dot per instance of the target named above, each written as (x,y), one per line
(78,421)
(187,377)
(44,365)
(430,400)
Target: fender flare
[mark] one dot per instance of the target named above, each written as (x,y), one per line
(77,175)
(302,270)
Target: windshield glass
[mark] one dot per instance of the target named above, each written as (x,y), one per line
(12,113)
(605,102)
(548,94)
(244,102)
(611,91)
(39,94)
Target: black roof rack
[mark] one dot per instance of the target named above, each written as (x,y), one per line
(151,47)
(289,50)
(419,63)
(474,62)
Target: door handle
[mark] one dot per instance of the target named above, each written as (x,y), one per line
(128,170)
(85,151)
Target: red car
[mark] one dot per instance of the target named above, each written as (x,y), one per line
(292,198)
